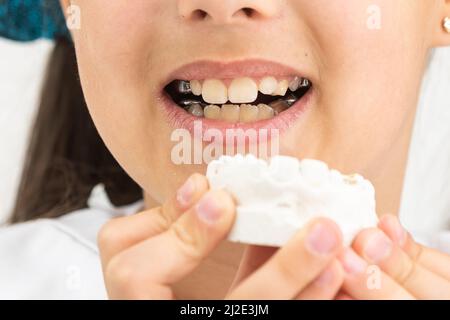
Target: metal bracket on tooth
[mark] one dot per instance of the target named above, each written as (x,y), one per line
(183,87)
(187,103)
(304,83)
(291,99)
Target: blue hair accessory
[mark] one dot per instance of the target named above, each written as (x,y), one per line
(27,20)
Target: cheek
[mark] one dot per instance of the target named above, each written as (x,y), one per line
(112,52)
(368,78)
(366,63)
(358,41)
(114,36)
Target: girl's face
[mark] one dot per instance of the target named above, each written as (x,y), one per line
(364,58)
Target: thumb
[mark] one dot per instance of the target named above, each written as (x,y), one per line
(151,266)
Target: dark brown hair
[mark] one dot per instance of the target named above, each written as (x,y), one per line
(66,157)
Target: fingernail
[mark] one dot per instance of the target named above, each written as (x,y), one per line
(378,247)
(322,239)
(352,263)
(186,192)
(326,277)
(399,232)
(208,210)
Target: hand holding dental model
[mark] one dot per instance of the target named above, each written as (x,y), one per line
(276,199)
(148,255)
(167,243)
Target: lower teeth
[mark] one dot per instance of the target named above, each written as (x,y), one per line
(235,113)
(238,113)
(196,110)
(187,103)
(290,100)
(194,105)
(279,106)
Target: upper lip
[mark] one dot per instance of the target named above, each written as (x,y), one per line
(254,68)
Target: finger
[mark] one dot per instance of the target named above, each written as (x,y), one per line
(393,229)
(368,282)
(149,267)
(253,258)
(326,285)
(295,265)
(376,248)
(186,196)
(433,260)
(121,233)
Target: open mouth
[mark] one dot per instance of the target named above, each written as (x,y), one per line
(238,100)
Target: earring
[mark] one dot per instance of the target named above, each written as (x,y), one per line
(446,24)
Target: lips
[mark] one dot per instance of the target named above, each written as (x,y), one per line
(250,94)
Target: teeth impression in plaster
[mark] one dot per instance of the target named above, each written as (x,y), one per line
(277,198)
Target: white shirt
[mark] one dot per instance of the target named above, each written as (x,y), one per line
(58,258)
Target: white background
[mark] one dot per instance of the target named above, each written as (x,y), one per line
(21,73)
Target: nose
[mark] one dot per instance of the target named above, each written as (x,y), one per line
(227,11)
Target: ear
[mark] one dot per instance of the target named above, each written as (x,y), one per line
(441,37)
(64,4)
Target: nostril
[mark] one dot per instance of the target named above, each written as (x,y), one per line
(199,14)
(246,13)
(249,12)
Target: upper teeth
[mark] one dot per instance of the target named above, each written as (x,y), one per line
(295,84)
(243,90)
(268,85)
(214,91)
(282,88)
(196,87)
(184,87)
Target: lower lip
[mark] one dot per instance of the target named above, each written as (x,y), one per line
(178,118)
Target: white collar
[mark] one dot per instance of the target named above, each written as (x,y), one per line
(99,200)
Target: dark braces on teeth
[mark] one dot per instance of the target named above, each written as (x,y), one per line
(180,92)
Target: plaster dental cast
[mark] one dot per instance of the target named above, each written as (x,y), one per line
(137,225)
(275,199)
